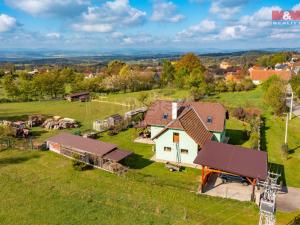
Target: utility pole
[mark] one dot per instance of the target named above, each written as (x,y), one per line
(291,107)
(286,128)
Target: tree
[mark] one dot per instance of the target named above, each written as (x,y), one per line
(295,83)
(189,62)
(197,84)
(230,86)
(126,78)
(10,86)
(2,73)
(168,73)
(247,85)
(114,67)
(180,77)
(49,84)
(275,97)
(220,86)
(271,80)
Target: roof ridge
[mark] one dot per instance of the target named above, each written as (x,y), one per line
(199,118)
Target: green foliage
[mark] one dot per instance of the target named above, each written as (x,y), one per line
(275,97)
(77,163)
(114,67)
(2,73)
(143,98)
(10,86)
(168,73)
(196,84)
(247,85)
(272,60)
(220,86)
(271,80)
(180,77)
(295,83)
(231,86)
(49,84)
(254,137)
(6,131)
(189,62)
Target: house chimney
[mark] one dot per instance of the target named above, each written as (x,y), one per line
(174,110)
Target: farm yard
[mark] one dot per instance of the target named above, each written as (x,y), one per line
(37,182)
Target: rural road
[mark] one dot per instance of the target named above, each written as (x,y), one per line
(288,201)
(296,106)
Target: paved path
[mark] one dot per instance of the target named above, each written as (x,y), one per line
(288,201)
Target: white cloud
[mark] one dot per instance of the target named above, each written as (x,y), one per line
(232,32)
(53,35)
(101,28)
(7,23)
(227,9)
(110,15)
(64,8)
(284,34)
(261,18)
(297,7)
(165,12)
(205,26)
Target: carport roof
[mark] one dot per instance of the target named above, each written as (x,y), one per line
(234,159)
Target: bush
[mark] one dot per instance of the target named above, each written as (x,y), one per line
(239,87)
(254,138)
(231,86)
(275,97)
(239,113)
(247,85)
(77,164)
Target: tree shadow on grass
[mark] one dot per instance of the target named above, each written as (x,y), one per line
(292,150)
(137,161)
(237,137)
(15,117)
(16,160)
(279,169)
(37,133)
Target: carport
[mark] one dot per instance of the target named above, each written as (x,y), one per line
(218,158)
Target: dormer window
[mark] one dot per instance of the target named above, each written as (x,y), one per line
(165,116)
(209,119)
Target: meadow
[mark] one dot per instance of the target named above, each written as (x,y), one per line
(36,186)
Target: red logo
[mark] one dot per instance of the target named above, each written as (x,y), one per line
(287,15)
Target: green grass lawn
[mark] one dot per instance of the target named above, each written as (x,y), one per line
(43,188)
(37,183)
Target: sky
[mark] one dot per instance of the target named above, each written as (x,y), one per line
(145,24)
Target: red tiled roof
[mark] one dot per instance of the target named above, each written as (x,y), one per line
(156,112)
(262,75)
(234,159)
(195,128)
(190,122)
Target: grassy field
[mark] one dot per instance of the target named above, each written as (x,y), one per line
(35,183)
(42,188)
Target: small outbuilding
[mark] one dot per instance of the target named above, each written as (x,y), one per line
(96,153)
(216,157)
(81,96)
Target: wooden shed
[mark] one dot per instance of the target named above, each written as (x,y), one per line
(96,153)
